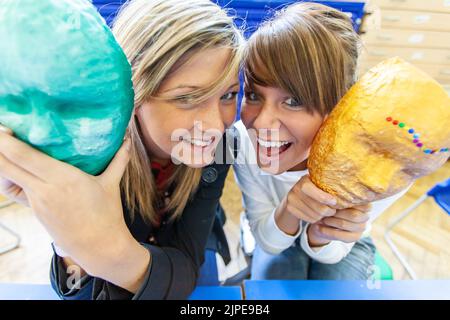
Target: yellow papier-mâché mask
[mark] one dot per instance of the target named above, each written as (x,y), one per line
(390,128)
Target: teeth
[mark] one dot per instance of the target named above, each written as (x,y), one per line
(199,143)
(272,144)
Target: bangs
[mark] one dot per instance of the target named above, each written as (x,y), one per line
(256,71)
(272,60)
(309,51)
(200,95)
(259,58)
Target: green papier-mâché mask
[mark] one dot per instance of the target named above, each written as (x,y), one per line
(65,83)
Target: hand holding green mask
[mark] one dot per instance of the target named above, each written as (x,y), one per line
(65,83)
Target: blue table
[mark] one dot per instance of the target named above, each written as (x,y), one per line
(346,290)
(216,293)
(45,292)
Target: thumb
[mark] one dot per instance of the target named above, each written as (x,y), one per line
(113,174)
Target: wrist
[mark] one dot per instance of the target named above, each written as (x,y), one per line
(125,264)
(285,221)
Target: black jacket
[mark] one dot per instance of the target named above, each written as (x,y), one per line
(177,253)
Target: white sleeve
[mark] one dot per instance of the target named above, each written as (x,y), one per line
(260,212)
(331,253)
(258,205)
(335,251)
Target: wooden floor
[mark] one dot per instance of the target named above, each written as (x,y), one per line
(424,237)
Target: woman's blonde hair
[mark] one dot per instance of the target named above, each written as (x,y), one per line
(157,37)
(308,49)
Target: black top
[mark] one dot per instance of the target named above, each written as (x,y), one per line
(177,248)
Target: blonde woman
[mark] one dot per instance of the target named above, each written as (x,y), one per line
(139,230)
(297,67)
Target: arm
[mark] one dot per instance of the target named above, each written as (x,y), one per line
(72,282)
(81,212)
(177,258)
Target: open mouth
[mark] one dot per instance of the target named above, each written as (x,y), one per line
(199,142)
(272,148)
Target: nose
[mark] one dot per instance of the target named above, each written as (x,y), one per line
(267,118)
(211,117)
(45,128)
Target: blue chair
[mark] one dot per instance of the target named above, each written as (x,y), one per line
(250,13)
(209,273)
(441,195)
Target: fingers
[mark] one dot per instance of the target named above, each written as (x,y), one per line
(113,174)
(344,224)
(305,207)
(352,215)
(363,207)
(17,175)
(332,234)
(13,192)
(314,238)
(310,189)
(302,211)
(321,209)
(30,159)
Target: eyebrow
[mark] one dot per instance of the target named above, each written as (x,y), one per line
(182,86)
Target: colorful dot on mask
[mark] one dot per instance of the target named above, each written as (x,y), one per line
(416,136)
(444,150)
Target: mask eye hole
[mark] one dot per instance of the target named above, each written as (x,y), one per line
(16,104)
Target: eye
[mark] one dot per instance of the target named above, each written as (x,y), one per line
(184,102)
(68,110)
(230,96)
(17,104)
(251,96)
(293,103)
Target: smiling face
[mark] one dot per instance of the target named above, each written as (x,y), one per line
(296,67)
(280,127)
(71,95)
(175,128)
